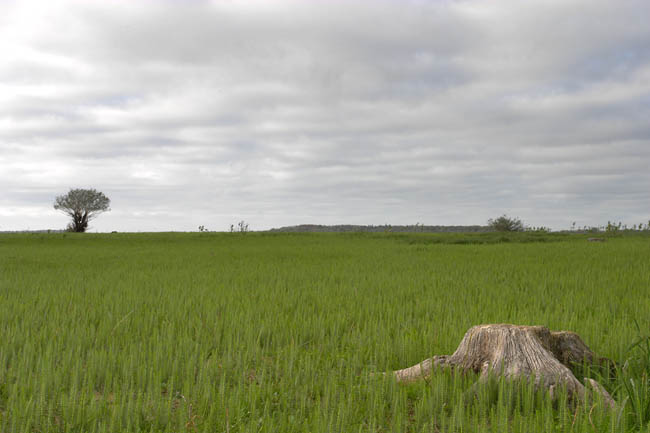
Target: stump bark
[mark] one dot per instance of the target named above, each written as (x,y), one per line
(520,352)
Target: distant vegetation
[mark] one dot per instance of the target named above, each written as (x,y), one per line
(414,228)
(504,223)
(242,227)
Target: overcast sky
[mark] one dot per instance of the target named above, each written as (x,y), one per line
(188,113)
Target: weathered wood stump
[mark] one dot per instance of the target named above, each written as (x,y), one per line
(519,352)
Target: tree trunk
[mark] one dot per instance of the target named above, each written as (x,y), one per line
(79,221)
(516,352)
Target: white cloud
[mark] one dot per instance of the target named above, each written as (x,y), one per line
(189,113)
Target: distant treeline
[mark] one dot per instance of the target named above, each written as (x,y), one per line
(32,231)
(415,228)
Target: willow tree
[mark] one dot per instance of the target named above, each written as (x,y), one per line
(82,205)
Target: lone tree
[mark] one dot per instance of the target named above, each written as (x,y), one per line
(82,205)
(506,224)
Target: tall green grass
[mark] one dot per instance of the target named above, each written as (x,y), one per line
(281,332)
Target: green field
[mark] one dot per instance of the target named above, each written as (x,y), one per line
(267,332)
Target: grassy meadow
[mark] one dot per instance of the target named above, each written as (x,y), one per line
(261,332)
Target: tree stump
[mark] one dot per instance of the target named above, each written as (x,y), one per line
(519,352)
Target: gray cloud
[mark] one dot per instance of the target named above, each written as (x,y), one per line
(442,112)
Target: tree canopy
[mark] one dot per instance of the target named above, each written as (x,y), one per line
(82,205)
(506,224)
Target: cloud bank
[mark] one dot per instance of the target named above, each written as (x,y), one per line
(363,112)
